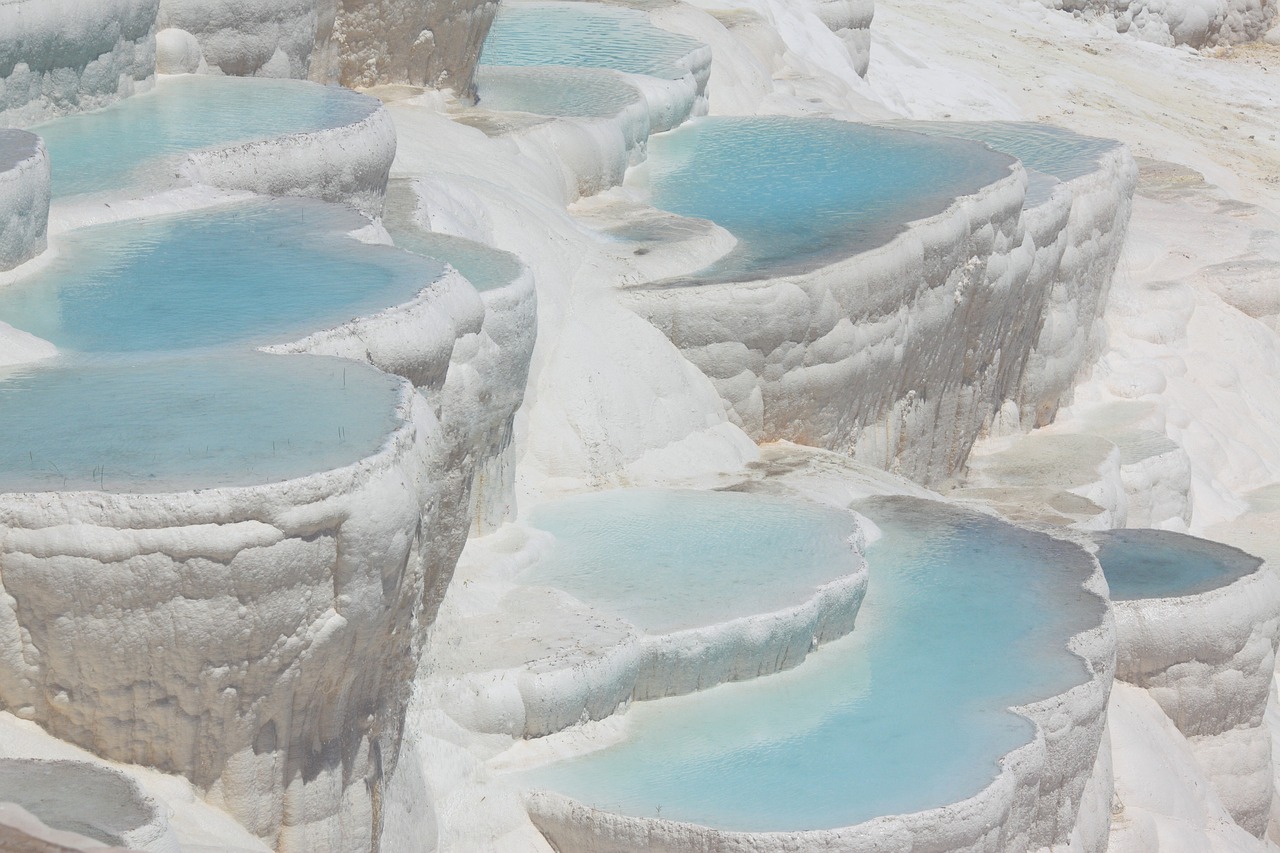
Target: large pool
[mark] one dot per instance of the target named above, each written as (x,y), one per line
(126,144)
(260,272)
(668,559)
(148,425)
(584,35)
(798,193)
(964,616)
(1161,564)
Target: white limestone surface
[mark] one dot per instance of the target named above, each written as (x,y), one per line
(24,197)
(348,164)
(1033,803)
(1208,660)
(256,640)
(63,56)
(851,21)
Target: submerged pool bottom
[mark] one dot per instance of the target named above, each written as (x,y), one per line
(964,617)
(1142,564)
(668,559)
(174,424)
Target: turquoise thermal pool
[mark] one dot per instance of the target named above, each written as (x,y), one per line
(799,193)
(265,271)
(1142,564)
(964,617)
(485,267)
(667,559)
(585,35)
(105,150)
(172,424)
(569,93)
(1050,154)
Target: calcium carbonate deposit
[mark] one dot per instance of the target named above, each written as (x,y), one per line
(456,426)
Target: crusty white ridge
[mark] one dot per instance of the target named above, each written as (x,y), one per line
(24,197)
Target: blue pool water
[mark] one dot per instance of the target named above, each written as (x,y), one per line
(801,192)
(572,93)
(964,616)
(260,272)
(584,35)
(1161,564)
(1045,150)
(107,149)
(485,267)
(167,424)
(669,559)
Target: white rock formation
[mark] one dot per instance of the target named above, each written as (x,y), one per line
(354,42)
(1208,660)
(24,197)
(62,56)
(1198,23)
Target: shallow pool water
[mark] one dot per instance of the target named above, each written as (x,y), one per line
(266,271)
(668,559)
(485,267)
(1050,154)
(570,93)
(112,148)
(964,616)
(798,193)
(585,35)
(147,425)
(1160,564)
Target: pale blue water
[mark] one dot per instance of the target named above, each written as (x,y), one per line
(668,559)
(1160,564)
(485,267)
(564,92)
(105,150)
(259,272)
(798,193)
(964,616)
(1050,154)
(584,35)
(170,424)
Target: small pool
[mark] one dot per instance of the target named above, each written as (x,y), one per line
(1050,154)
(585,35)
(668,560)
(485,267)
(124,144)
(155,425)
(16,146)
(1142,564)
(569,93)
(266,271)
(799,193)
(964,616)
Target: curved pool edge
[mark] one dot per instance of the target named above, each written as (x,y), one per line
(1208,660)
(87,574)
(1034,802)
(348,164)
(650,666)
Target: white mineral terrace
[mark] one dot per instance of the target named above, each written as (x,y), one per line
(676,425)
